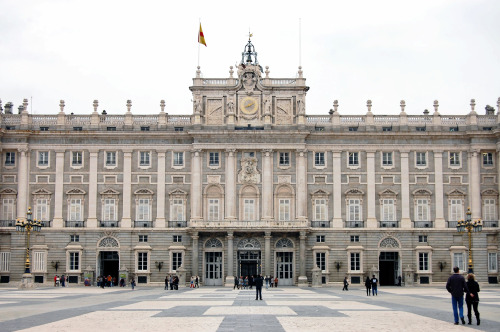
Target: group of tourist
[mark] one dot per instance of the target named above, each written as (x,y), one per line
(371,284)
(173,282)
(60,281)
(108,281)
(194,282)
(457,286)
(250,281)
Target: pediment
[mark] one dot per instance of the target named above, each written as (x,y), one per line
(422,192)
(354,191)
(41,191)
(144,191)
(456,192)
(320,192)
(75,191)
(177,192)
(388,192)
(8,191)
(109,191)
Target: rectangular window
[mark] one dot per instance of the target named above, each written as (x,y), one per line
(458,260)
(386,128)
(249,154)
(422,210)
(321,260)
(77,128)
(177,213)
(320,210)
(284,159)
(176,260)
(420,128)
(284,209)
(42,209)
(178,158)
(353,128)
(177,238)
(320,238)
(213,209)
(492,262)
(75,209)
(74,261)
(319,159)
(144,158)
(386,158)
(111,128)
(454,158)
(4,261)
(353,159)
(44,128)
(10,158)
(74,238)
(487,159)
(146,128)
(355,261)
(38,261)
(213,159)
(422,238)
(456,210)
(489,210)
(178,128)
(76,158)
(143,210)
(421,159)
(142,261)
(109,211)
(249,209)
(143,238)
(354,210)
(388,210)
(43,158)
(423,261)
(111,158)
(8,209)
(354,238)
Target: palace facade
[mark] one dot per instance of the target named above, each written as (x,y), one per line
(249,183)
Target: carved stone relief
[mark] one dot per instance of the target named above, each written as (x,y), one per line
(215,113)
(284,112)
(249,172)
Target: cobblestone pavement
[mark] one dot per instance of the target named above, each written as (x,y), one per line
(224,309)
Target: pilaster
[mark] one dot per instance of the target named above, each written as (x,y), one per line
(267,185)
(438,183)
(127,189)
(267,253)
(475,184)
(196,185)
(194,267)
(302,260)
(230,260)
(160,189)
(371,220)
(22,175)
(301,190)
(92,216)
(230,185)
(337,190)
(58,221)
(405,191)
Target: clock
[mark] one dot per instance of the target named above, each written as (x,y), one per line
(249,105)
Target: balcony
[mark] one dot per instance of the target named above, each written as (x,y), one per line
(108,223)
(354,224)
(452,224)
(74,223)
(490,223)
(423,224)
(177,224)
(257,224)
(389,224)
(320,224)
(7,223)
(143,223)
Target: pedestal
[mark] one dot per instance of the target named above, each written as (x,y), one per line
(229,281)
(316,277)
(181,273)
(303,281)
(27,282)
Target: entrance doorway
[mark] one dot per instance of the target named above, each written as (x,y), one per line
(109,263)
(284,268)
(249,263)
(213,268)
(389,268)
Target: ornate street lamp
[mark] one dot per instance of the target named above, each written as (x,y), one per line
(27,226)
(470,226)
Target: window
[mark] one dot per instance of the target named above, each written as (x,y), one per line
(456,209)
(492,262)
(353,159)
(422,210)
(178,128)
(178,158)
(420,159)
(44,128)
(38,263)
(177,213)
(42,209)
(10,158)
(321,260)
(455,159)
(111,128)
(8,209)
(421,129)
(4,261)
(319,128)
(353,128)
(487,128)
(43,158)
(109,210)
(176,260)
(74,238)
(213,159)
(423,261)
(213,209)
(354,238)
(386,128)
(422,238)
(144,158)
(111,158)
(249,209)
(354,210)
(458,260)
(75,209)
(76,158)
(74,261)
(487,159)
(320,213)
(177,238)
(145,128)
(489,209)
(249,154)
(320,238)
(319,159)
(142,261)
(388,210)
(387,159)
(284,159)
(143,238)
(355,261)
(284,209)
(143,209)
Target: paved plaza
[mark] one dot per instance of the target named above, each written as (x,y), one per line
(224,309)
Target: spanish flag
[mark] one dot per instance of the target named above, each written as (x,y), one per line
(201,37)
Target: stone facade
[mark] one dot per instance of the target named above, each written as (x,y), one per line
(249,183)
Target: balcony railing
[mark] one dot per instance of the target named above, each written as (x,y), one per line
(74,223)
(178,224)
(7,223)
(389,224)
(354,224)
(107,223)
(290,224)
(47,223)
(320,224)
(423,224)
(490,223)
(452,224)
(145,224)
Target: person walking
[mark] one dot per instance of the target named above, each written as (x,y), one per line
(236,283)
(456,286)
(258,287)
(197,282)
(346,284)
(191,283)
(166,283)
(171,280)
(374,286)
(63,281)
(132,284)
(266,279)
(276,282)
(368,285)
(472,298)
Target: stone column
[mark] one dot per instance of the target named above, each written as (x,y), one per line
(267,253)
(302,260)
(58,221)
(230,185)
(438,183)
(267,185)
(160,189)
(371,220)
(127,189)
(194,267)
(22,187)
(196,193)
(230,260)
(92,215)
(337,190)
(405,191)
(475,184)
(301,186)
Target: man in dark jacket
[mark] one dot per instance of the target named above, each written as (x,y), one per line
(456,286)
(258,286)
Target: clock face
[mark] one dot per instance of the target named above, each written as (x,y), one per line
(249,105)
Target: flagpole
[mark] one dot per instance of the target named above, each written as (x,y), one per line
(199,23)
(300,42)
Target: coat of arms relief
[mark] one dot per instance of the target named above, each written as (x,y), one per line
(248,172)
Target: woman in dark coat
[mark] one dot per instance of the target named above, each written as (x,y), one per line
(472,298)
(368,285)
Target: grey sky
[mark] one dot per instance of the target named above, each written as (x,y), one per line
(352,51)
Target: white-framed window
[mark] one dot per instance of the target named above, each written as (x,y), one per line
(353,160)
(321,260)
(74,238)
(387,159)
(143,209)
(487,159)
(456,209)
(4,261)
(454,158)
(489,209)
(388,210)
(42,209)
(76,158)
(249,209)
(213,209)
(422,209)
(284,159)
(284,209)
(109,209)
(422,238)
(459,260)
(74,261)
(176,260)
(110,158)
(178,160)
(177,210)
(420,159)
(354,238)
(354,210)
(492,262)
(10,158)
(177,238)
(8,209)
(320,238)
(75,209)
(355,261)
(213,159)
(144,158)
(39,261)
(423,261)
(319,159)
(43,159)
(143,238)
(320,210)
(142,261)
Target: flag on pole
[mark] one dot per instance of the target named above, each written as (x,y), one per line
(201,37)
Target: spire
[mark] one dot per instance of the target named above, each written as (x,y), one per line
(249,56)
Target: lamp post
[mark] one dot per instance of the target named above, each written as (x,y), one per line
(27,226)
(470,226)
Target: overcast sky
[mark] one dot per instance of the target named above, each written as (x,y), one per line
(352,51)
